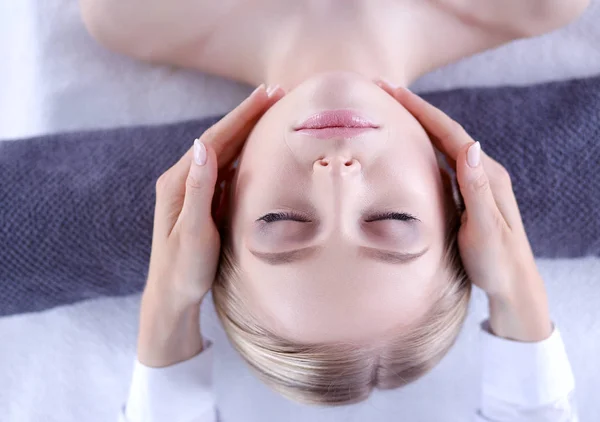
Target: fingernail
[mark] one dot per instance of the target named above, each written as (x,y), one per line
(474,154)
(271,90)
(199,152)
(258,88)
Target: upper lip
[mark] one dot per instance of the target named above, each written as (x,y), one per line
(336,118)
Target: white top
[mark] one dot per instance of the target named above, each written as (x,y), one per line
(530,382)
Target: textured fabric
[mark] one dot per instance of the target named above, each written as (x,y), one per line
(548,138)
(76,212)
(76,209)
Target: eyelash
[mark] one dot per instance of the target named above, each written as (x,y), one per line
(400,216)
(284,216)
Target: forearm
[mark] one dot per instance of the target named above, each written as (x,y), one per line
(168,334)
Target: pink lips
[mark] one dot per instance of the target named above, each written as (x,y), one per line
(335,124)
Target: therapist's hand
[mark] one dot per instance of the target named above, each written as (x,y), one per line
(186,242)
(493,244)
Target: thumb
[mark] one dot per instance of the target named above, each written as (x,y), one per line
(475,188)
(199,188)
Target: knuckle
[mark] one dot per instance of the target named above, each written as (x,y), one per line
(480,184)
(194,183)
(199,186)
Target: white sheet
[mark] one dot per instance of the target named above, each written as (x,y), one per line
(73,363)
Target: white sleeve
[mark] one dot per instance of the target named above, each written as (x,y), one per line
(526,382)
(177,393)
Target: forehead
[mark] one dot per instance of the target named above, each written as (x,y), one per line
(337,297)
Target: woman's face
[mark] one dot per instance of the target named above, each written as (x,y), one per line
(340,239)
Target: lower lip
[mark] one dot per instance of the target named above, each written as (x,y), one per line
(335,132)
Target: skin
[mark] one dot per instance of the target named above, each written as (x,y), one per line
(492,240)
(286,42)
(338,187)
(185,242)
(337,293)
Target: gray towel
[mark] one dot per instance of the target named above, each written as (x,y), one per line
(76,209)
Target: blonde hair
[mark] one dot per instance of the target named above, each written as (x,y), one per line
(336,374)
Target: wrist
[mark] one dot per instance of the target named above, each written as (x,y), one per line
(168,333)
(171,295)
(523,315)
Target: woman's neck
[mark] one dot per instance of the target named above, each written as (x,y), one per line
(306,47)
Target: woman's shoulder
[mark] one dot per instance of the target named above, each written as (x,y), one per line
(154,30)
(520,18)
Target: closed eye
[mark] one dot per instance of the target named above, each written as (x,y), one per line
(283,216)
(400,216)
(287,216)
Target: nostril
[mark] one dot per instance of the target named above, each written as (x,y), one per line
(351,163)
(323,163)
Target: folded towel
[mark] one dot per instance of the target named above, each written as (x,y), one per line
(548,138)
(76,209)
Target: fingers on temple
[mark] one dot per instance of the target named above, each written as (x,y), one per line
(199,190)
(476,190)
(446,134)
(170,193)
(501,186)
(227,136)
(224,134)
(487,192)
(179,171)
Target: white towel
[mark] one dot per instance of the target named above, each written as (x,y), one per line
(74,363)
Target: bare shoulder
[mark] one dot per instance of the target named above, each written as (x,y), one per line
(152,30)
(523,18)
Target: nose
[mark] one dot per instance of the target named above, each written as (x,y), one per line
(337,184)
(337,165)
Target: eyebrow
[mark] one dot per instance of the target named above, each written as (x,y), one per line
(288,257)
(391,257)
(298,255)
